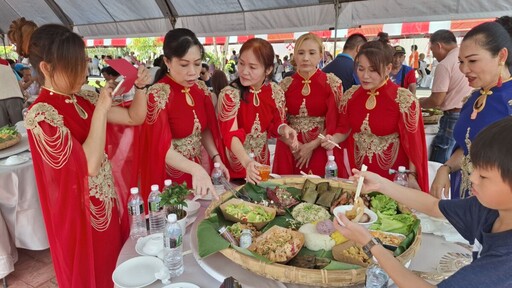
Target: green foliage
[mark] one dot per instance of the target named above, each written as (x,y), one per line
(9,51)
(145,48)
(174,197)
(213,58)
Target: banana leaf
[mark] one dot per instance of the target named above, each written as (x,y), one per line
(333,265)
(409,239)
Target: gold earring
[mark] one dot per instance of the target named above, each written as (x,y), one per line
(500,70)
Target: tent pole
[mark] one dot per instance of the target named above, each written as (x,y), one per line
(337,14)
(3,42)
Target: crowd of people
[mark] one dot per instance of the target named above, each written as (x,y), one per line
(87,150)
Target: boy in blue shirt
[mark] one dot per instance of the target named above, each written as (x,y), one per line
(485,219)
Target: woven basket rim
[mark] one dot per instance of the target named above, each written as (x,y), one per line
(11,142)
(291,274)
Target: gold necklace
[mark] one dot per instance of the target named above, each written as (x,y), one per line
(371,102)
(479,104)
(81,112)
(306,89)
(256,99)
(186,91)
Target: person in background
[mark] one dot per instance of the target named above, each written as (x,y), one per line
(28,85)
(414,57)
(181,119)
(485,60)
(157,64)
(313,99)
(219,81)
(11,97)
(343,65)
(205,75)
(384,120)
(449,87)
(67,134)
(401,74)
(251,110)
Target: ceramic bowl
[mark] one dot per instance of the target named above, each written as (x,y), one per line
(344,208)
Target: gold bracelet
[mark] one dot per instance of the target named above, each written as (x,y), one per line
(449,167)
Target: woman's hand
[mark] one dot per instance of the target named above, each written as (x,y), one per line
(202,183)
(372,181)
(252,173)
(143,77)
(105,98)
(290,135)
(326,144)
(351,230)
(303,153)
(224,170)
(441,182)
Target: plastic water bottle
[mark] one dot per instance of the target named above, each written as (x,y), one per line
(167,183)
(401,177)
(156,215)
(376,277)
(331,168)
(217,179)
(137,217)
(173,246)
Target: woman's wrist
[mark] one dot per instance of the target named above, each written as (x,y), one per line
(450,170)
(217,155)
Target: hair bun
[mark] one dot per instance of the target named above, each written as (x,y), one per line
(383,37)
(506,22)
(19,33)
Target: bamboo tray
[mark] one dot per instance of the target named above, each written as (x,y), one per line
(432,119)
(12,142)
(291,274)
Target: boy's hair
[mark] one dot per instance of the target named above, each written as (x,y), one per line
(491,148)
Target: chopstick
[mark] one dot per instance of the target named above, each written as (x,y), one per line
(360,183)
(321,136)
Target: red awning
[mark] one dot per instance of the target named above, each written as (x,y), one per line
(366,30)
(466,25)
(415,28)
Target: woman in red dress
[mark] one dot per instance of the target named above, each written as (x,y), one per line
(251,110)
(181,119)
(313,99)
(385,123)
(67,135)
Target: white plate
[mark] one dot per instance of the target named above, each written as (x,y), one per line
(157,240)
(17,148)
(182,285)
(15,160)
(192,207)
(137,272)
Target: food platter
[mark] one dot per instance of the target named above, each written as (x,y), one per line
(291,274)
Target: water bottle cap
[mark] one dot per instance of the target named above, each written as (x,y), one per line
(154,187)
(172,218)
(134,190)
(168,182)
(331,158)
(401,169)
(216,165)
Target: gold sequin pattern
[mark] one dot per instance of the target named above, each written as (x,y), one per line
(54,149)
(368,145)
(228,110)
(337,88)
(346,97)
(466,168)
(102,188)
(160,92)
(410,114)
(278,96)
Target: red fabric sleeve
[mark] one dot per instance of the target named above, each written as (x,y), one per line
(228,111)
(278,110)
(64,197)
(412,138)
(410,78)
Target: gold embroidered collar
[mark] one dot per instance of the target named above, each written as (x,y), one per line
(186,91)
(81,112)
(256,99)
(306,89)
(479,104)
(371,102)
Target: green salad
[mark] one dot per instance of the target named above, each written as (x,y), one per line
(8,133)
(247,213)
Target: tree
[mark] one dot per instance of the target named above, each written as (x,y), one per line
(145,48)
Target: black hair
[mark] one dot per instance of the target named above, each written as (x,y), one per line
(491,148)
(414,47)
(110,71)
(493,36)
(205,66)
(354,40)
(443,36)
(177,42)
(158,61)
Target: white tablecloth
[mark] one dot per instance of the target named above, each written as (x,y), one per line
(210,272)
(21,221)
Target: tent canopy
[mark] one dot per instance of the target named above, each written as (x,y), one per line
(132,18)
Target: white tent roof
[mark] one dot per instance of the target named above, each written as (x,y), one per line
(131,18)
